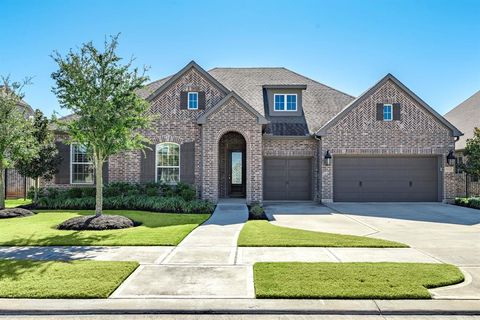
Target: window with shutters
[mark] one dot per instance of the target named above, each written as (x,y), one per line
(387,112)
(168,163)
(81,165)
(192,101)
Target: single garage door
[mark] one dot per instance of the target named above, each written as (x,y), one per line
(287,179)
(402,179)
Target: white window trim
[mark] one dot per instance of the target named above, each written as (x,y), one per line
(71,168)
(188,100)
(391,111)
(179,161)
(285,102)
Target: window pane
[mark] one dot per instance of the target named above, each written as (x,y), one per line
(168,175)
(236,168)
(279,102)
(291,102)
(193,100)
(82,173)
(387,112)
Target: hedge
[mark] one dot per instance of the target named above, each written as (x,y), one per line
(468,202)
(127,196)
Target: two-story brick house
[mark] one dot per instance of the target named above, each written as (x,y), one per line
(272,134)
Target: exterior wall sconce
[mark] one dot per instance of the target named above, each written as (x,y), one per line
(328,158)
(451,159)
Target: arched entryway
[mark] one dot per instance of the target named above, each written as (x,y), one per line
(232,166)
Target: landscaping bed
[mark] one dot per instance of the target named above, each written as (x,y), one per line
(155,229)
(15,213)
(59,280)
(264,234)
(330,280)
(156,197)
(473,202)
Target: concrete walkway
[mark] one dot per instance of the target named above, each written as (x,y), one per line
(201,266)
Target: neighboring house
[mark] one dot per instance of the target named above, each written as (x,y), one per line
(466,116)
(16,185)
(268,134)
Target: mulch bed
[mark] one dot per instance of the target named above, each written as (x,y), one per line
(15,213)
(103,222)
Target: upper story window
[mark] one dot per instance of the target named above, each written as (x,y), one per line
(193,101)
(285,102)
(387,112)
(168,163)
(81,165)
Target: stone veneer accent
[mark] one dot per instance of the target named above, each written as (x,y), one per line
(417,133)
(232,117)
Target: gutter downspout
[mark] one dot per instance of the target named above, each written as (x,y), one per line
(318,169)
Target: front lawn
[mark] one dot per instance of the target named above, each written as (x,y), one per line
(260,233)
(351,280)
(156,229)
(12,203)
(56,279)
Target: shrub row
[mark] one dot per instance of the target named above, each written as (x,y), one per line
(117,189)
(468,202)
(131,202)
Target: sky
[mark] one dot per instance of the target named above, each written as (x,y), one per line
(433,47)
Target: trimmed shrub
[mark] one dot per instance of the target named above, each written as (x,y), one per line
(257,212)
(147,203)
(468,202)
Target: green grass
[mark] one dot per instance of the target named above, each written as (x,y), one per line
(352,280)
(261,233)
(56,279)
(156,229)
(12,203)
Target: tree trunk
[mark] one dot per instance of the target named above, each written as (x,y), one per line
(35,190)
(2,187)
(99,186)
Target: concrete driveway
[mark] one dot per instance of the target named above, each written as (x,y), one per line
(447,233)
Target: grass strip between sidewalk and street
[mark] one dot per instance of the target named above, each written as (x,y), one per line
(366,280)
(261,233)
(62,279)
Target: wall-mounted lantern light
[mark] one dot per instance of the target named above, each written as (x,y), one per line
(328,158)
(451,158)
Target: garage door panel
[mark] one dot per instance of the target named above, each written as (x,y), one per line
(287,179)
(385,179)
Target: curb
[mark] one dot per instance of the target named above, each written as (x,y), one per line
(12,307)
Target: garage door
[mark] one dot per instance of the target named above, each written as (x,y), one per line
(385,179)
(287,179)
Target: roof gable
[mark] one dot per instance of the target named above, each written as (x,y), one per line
(465,116)
(204,117)
(389,77)
(168,81)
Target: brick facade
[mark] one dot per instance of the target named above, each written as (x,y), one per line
(232,117)
(417,133)
(358,133)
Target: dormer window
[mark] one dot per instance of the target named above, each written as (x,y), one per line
(285,102)
(387,112)
(193,101)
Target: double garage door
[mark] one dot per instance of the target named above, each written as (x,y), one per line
(287,179)
(403,179)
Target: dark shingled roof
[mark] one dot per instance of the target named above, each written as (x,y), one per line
(465,117)
(320,103)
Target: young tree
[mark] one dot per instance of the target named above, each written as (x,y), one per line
(101,92)
(472,155)
(44,164)
(16,139)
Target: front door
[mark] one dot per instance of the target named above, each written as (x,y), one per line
(236,173)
